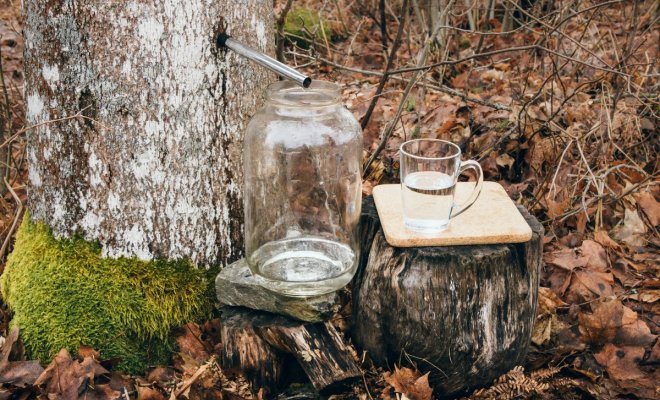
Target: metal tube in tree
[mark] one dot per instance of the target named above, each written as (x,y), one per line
(272,64)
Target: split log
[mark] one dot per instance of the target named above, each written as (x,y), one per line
(320,351)
(259,343)
(463,313)
(246,351)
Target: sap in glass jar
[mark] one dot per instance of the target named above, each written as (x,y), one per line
(302,191)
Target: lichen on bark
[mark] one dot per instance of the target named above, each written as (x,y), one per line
(153,169)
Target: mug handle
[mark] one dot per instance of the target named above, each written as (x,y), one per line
(465,165)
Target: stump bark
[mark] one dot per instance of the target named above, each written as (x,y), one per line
(463,313)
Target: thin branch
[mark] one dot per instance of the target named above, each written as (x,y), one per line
(554,28)
(507,50)
(443,88)
(383,24)
(281,19)
(593,200)
(389,128)
(27,128)
(388,66)
(17,217)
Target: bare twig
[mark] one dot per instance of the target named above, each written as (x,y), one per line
(593,200)
(507,50)
(383,24)
(554,28)
(428,84)
(389,128)
(281,20)
(388,66)
(27,128)
(14,223)
(341,17)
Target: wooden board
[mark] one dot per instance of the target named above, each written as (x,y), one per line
(493,218)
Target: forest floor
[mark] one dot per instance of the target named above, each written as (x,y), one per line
(559,105)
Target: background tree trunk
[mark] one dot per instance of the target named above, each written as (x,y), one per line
(153,168)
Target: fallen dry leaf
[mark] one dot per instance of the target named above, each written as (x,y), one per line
(161,375)
(505,160)
(147,393)
(612,322)
(602,324)
(409,383)
(632,231)
(633,331)
(601,236)
(566,259)
(650,206)
(86,351)
(645,296)
(596,256)
(654,357)
(491,75)
(622,365)
(587,285)
(190,342)
(546,327)
(548,301)
(16,373)
(67,378)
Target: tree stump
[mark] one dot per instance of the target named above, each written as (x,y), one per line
(463,313)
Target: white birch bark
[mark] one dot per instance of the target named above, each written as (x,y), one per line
(154,168)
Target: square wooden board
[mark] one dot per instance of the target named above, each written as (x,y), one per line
(492,219)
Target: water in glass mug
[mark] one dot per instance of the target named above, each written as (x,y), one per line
(428,200)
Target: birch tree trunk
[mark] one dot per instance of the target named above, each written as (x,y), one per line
(153,168)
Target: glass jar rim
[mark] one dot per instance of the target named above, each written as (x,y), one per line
(318,94)
(456,153)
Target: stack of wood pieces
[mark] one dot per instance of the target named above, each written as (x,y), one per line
(274,339)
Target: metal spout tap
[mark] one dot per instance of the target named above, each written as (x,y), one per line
(283,70)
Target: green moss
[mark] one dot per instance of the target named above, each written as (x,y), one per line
(63,293)
(302,26)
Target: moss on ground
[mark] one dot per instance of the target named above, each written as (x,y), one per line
(303,26)
(63,293)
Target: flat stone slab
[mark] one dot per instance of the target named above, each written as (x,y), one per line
(493,219)
(236,286)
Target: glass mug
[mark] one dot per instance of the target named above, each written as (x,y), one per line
(429,172)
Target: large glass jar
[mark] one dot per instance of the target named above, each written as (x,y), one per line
(302,190)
